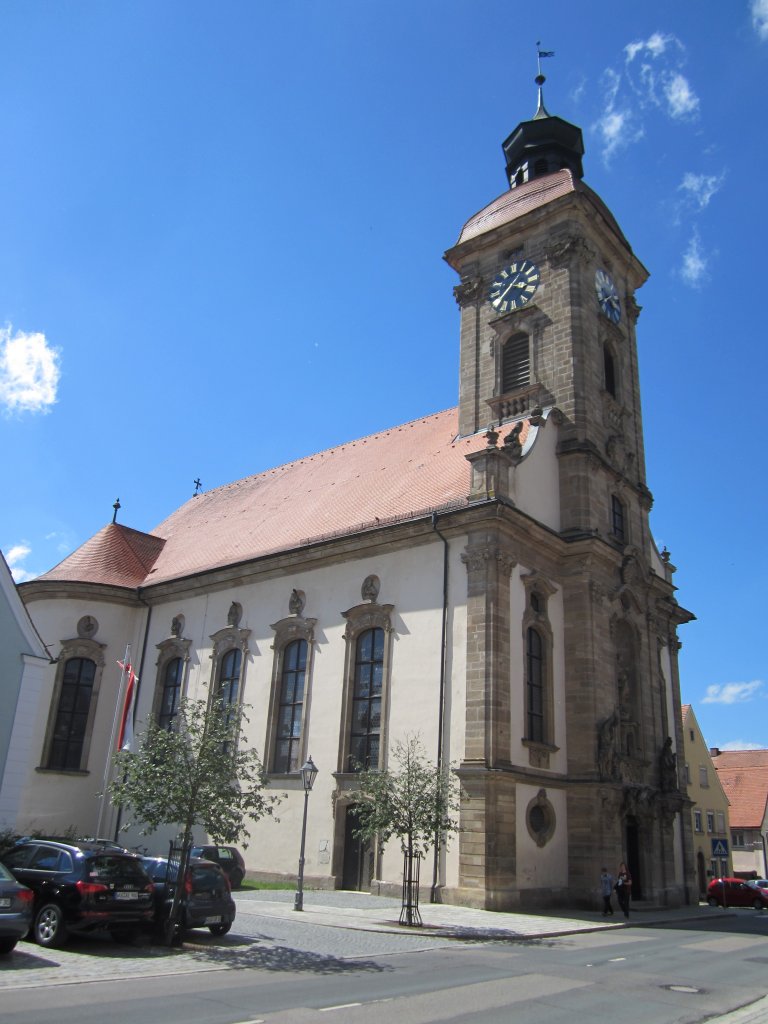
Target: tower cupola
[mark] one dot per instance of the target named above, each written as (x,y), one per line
(542,145)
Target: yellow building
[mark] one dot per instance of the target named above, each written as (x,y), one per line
(709,813)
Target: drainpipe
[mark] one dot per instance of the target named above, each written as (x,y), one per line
(441,700)
(140,675)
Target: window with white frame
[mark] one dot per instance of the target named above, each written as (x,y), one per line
(697,822)
(710,821)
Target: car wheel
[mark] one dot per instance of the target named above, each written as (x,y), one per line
(712,901)
(758,904)
(6,945)
(236,879)
(49,928)
(219,929)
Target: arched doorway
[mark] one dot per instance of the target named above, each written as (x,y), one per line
(633,857)
(357,869)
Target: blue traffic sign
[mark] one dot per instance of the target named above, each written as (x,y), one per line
(719,847)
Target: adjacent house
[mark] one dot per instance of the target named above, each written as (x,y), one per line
(23,664)
(709,813)
(744,777)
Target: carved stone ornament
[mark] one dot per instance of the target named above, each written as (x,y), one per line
(481,559)
(296,602)
(668,779)
(235,614)
(177,626)
(370,588)
(607,747)
(573,249)
(540,819)
(87,627)
(470,291)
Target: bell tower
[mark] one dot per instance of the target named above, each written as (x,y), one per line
(572,659)
(548,319)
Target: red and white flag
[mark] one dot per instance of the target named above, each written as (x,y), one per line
(125,735)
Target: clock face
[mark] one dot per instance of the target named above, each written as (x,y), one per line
(607,296)
(514,286)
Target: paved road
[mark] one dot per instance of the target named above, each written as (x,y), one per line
(345,959)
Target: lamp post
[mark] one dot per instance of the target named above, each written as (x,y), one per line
(308,776)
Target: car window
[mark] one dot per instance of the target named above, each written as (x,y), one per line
(19,857)
(5,874)
(206,877)
(47,859)
(111,869)
(224,853)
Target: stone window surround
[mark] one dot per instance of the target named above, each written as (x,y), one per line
(359,619)
(546,812)
(229,638)
(173,647)
(294,627)
(77,647)
(537,585)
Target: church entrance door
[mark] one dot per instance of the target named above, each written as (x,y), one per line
(358,855)
(633,857)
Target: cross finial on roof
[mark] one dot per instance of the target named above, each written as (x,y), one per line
(198,486)
(116,507)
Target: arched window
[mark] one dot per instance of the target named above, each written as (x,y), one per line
(618,519)
(69,730)
(291,707)
(229,677)
(609,371)
(365,730)
(515,364)
(171,693)
(534,680)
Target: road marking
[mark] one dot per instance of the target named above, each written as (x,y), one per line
(341,1006)
(616,959)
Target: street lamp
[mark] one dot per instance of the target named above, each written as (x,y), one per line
(308,776)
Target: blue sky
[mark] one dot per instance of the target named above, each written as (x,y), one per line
(222,228)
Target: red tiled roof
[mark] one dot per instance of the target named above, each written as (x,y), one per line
(743,775)
(116,555)
(387,477)
(518,201)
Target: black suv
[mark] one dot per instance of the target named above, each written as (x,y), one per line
(81,887)
(229,859)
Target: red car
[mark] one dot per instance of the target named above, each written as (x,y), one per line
(736,892)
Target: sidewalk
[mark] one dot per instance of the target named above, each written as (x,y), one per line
(363,912)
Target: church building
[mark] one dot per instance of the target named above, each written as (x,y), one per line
(482,577)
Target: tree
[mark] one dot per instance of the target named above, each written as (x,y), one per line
(416,802)
(193,774)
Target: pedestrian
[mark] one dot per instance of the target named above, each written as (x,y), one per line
(606,887)
(624,888)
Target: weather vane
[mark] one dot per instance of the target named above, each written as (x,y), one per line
(116,507)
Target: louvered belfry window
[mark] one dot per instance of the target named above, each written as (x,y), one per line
(515,364)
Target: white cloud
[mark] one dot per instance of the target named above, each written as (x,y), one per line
(694,266)
(16,555)
(732,693)
(651,78)
(29,371)
(681,99)
(741,745)
(760,18)
(701,187)
(654,46)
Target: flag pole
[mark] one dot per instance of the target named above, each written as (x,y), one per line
(111,749)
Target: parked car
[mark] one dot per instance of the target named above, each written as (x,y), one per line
(16,908)
(80,887)
(206,901)
(761,883)
(229,859)
(735,892)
